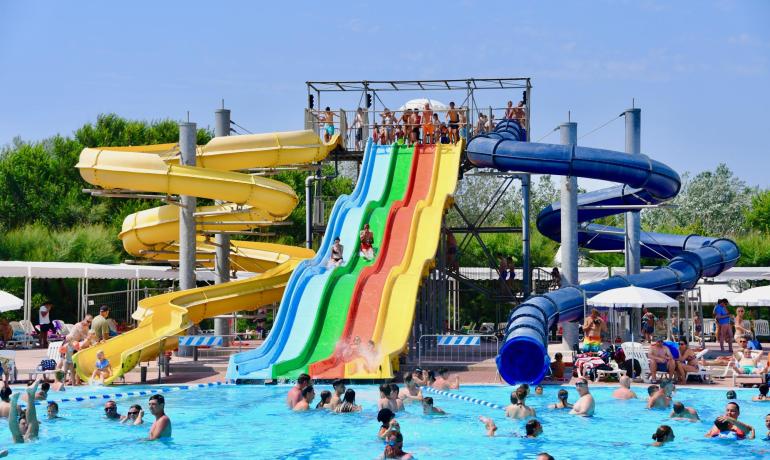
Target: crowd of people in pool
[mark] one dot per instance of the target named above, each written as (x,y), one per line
(25,426)
(392,400)
(413,126)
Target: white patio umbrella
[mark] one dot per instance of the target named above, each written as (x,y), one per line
(758,296)
(419,104)
(9,302)
(633,297)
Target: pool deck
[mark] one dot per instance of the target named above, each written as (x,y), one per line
(212,368)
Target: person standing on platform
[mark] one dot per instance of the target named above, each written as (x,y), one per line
(44,322)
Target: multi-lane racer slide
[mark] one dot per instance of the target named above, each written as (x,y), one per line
(523,356)
(153,233)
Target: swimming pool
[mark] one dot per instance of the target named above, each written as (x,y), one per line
(252,422)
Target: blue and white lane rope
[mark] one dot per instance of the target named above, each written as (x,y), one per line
(478,401)
(128,394)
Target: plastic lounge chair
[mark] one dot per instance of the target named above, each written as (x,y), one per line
(487,328)
(54,354)
(710,328)
(20,337)
(616,371)
(761,328)
(729,371)
(702,372)
(469,329)
(636,351)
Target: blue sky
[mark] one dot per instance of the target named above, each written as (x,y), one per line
(700,70)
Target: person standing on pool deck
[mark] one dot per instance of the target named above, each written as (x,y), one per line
(44,322)
(161,427)
(339,390)
(100,326)
(295,394)
(308,394)
(730,422)
(724,330)
(585,405)
(624,391)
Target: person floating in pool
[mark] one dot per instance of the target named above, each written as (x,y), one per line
(532,429)
(442,382)
(624,391)
(366,239)
(308,394)
(348,403)
(161,427)
(410,392)
(429,409)
(518,408)
(680,412)
(134,416)
(388,422)
(762,396)
(593,326)
(102,368)
(662,435)
(660,398)
(585,405)
(25,426)
(339,390)
(394,446)
(295,394)
(729,427)
(561,401)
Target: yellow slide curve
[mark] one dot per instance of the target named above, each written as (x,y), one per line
(251,201)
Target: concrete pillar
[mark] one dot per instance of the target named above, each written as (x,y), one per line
(569,211)
(525,252)
(222,257)
(187,147)
(633,221)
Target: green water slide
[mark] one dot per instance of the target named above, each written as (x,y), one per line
(335,298)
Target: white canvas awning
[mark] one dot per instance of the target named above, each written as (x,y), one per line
(758,296)
(18,269)
(632,297)
(9,302)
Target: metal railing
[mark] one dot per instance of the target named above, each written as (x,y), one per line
(430,351)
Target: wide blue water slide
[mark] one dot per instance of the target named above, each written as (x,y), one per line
(308,303)
(260,357)
(523,356)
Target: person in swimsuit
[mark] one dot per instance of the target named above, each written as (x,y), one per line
(102,367)
(366,239)
(25,426)
(724,329)
(453,120)
(687,361)
(463,123)
(744,362)
(414,127)
(326,397)
(585,405)
(394,446)
(509,111)
(406,121)
(518,408)
(659,399)
(593,327)
(388,120)
(680,412)
(410,392)
(308,394)
(161,427)
(624,391)
(295,394)
(327,118)
(134,416)
(388,422)
(729,427)
(111,410)
(337,250)
(348,403)
(648,324)
(662,435)
(660,357)
(427,125)
(52,411)
(561,402)
(339,390)
(394,396)
(740,330)
(429,409)
(762,396)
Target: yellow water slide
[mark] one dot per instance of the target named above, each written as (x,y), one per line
(397,305)
(251,201)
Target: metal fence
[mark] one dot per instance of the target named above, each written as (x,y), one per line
(122,303)
(443,349)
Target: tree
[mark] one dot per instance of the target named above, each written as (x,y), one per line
(712,203)
(758,217)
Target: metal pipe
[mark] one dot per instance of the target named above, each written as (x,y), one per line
(633,222)
(221,239)
(569,208)
(187,147)
(527,276)
(309,212)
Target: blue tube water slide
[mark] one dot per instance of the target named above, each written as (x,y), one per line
(523,357)
(246,365)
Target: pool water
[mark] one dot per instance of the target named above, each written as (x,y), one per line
(252,422)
